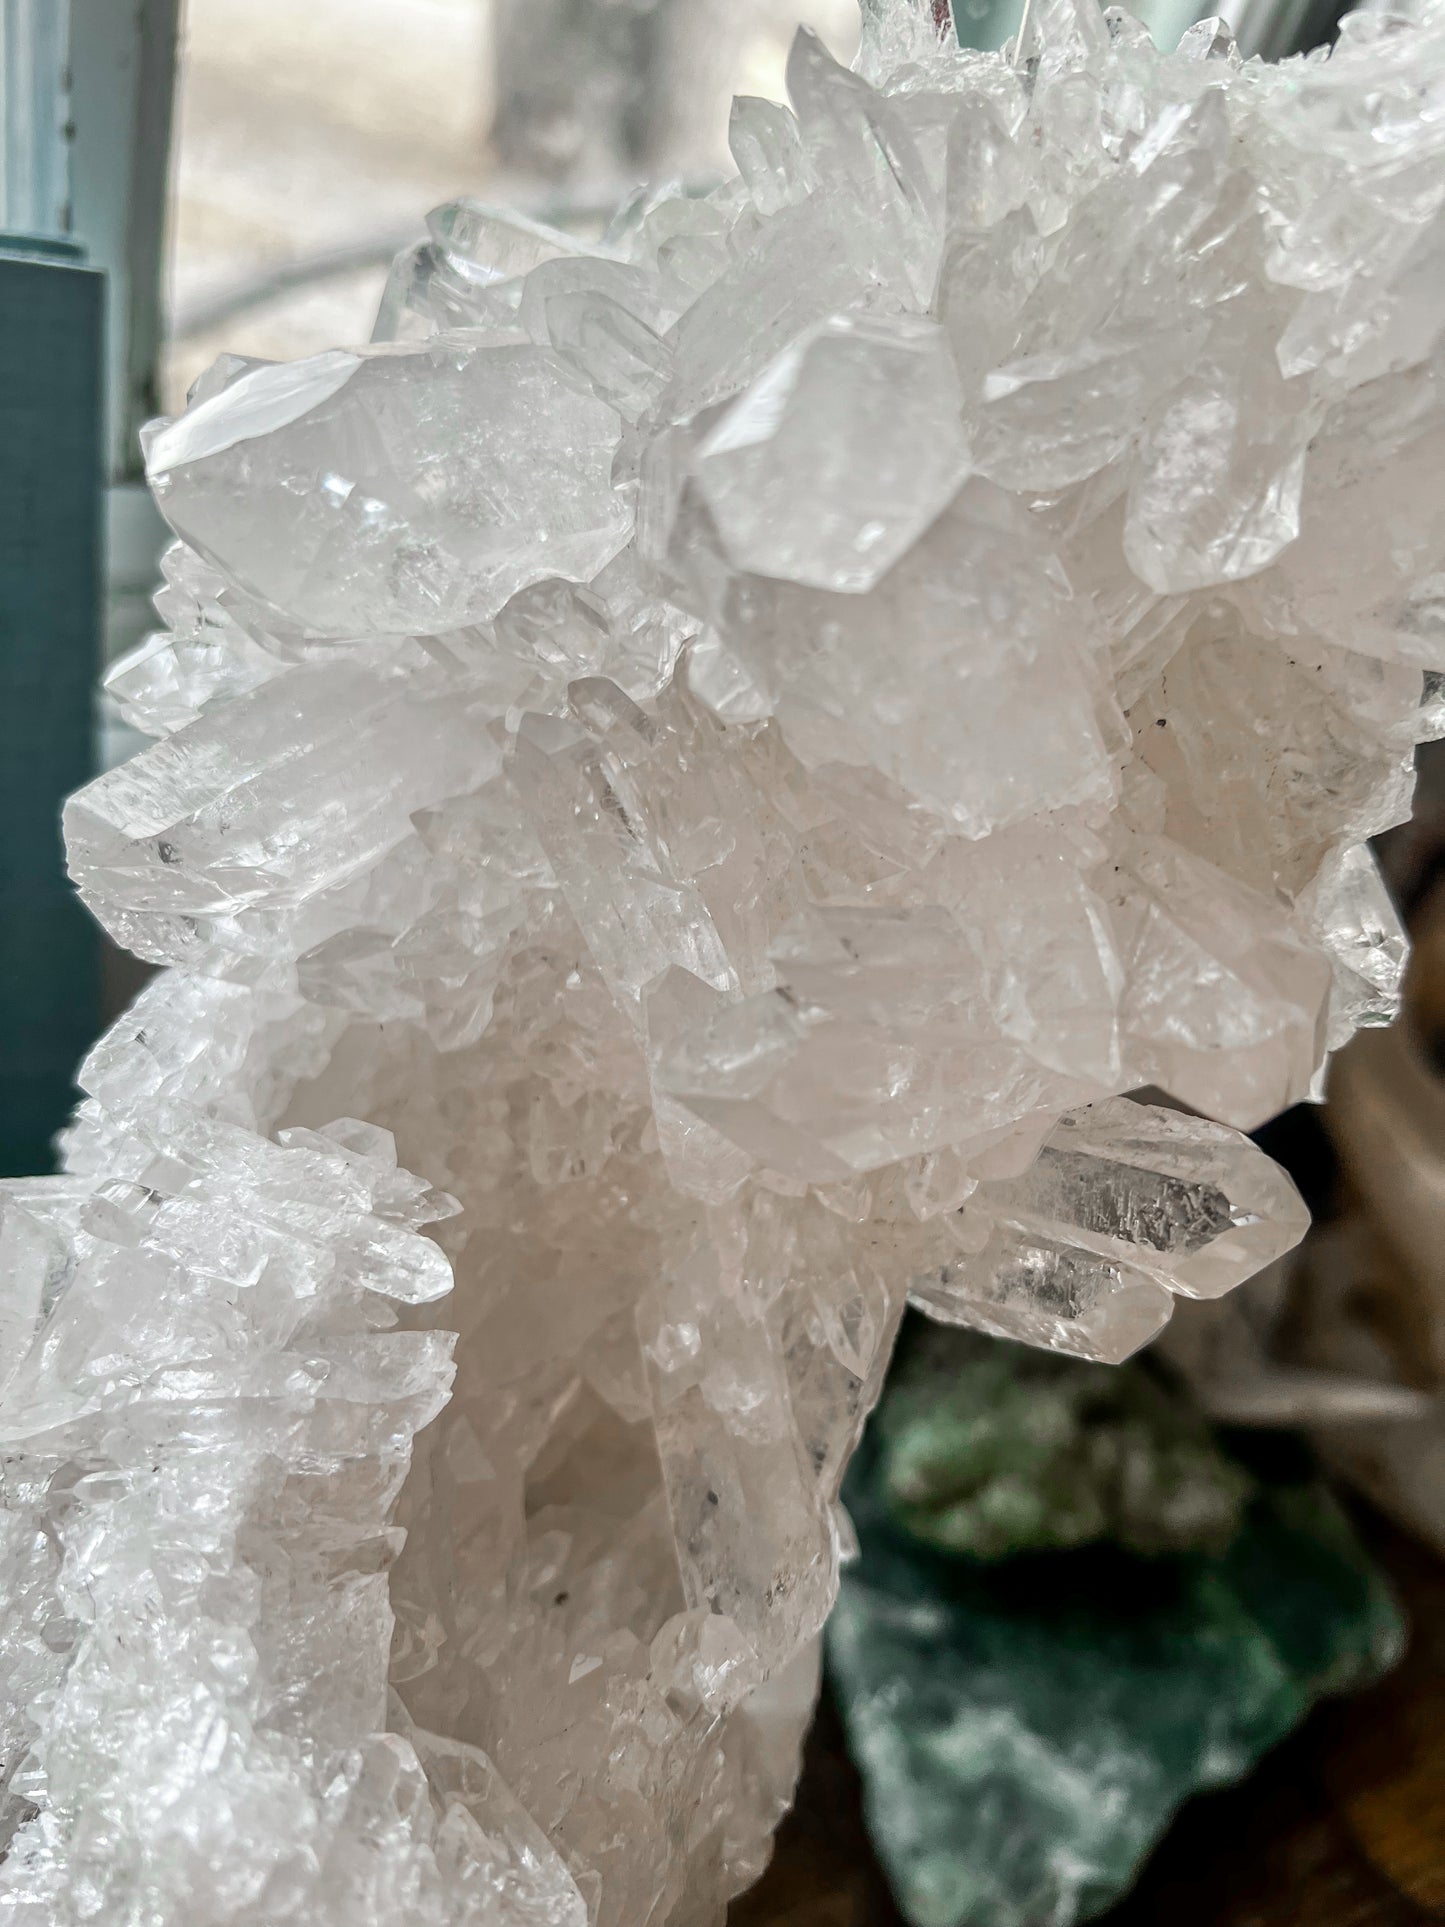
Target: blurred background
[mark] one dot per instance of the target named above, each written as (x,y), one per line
(311,140)
(182,178)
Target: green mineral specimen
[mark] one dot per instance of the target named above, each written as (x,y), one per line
(1026,1728)
(994,1449)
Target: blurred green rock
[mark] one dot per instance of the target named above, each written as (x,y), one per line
(1027,1726)
(994,1449)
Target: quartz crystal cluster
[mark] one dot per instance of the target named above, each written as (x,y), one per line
(727,753)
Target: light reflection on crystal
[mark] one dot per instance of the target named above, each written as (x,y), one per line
(727,754)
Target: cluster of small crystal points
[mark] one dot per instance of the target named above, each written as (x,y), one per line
(731,750)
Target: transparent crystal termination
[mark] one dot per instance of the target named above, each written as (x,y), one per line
(729,753)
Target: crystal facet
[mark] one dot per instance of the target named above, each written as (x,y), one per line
(729,753)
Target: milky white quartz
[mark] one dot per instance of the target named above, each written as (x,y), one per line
(726,754)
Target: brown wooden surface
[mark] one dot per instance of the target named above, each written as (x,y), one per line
(1342,1826)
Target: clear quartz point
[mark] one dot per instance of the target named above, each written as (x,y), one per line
(1048,1292)
(688,780)
(1192,1202)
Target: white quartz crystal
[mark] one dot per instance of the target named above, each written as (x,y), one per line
(728,754)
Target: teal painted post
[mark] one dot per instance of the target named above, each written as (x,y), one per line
(51,347)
